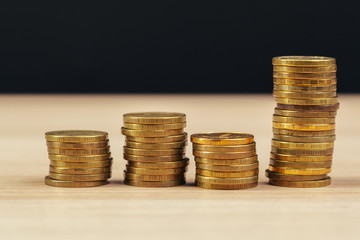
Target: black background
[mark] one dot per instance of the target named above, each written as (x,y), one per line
(169,46)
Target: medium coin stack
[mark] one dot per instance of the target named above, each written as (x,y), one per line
(304,121)
(225,160)
(155,149)
(78,158)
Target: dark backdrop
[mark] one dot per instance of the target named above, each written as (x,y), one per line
(169,46)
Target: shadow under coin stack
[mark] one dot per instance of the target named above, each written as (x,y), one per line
(225,160)
(155,149)
(78,158)
(304,121)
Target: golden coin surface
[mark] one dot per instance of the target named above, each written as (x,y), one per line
(154,117)
(303,184)
(174,164)
(96,164)
(224,155)
(154,152)
(304,82)
(151,133)
(323,139)
(71,184)
(226,186)
(223,174)
(296,145)
(304,114)
(153,127)
(227,181)
(299,158)
(313,101)
(169,139)
(80,177)
(292,164)
(222,138)
(307,88)
(54,169)
(230,168)
(305,152)
(84,145)
(155,145)
(303,61)
(85,158)
(154,171)
(76,136)
(302,120)
(153,178)
(137,158)
(296,75)
(304,127)
(303,95)
(298,171)
(290,177)
(240,161)
(303,133)
(219,148)
(95,151)
(137,183)
(329,68)
(325,108)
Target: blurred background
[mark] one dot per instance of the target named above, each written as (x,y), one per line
(169,46)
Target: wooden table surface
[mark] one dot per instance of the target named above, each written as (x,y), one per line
(31,210)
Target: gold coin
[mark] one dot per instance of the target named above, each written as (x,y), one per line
(171,183)
(240,161)
(327,108)
(80,178)
(54,169)
(303,184)
(304,82)
(302,120)
(85,158)
(299,158)
(97,164)
(306,61)
(136,158)
(227,181)
(153,178)
(303,95)
(329,68)
(151,133)
(224,155)
(152,152)
(287,138)
(169,139)
(304,127)
(292,75)
(155,146)
(304,114)
(296,145)
(222,148)
(70,184)
(154,117)
(293,178)
(154,127)
(226,186)
(230,168)
(298,171)
(303,133)
(174,164)
(154,171)
(84,145)
(306,88)
(222,138)
(313,101)
(292,164)
(223,174)
(95,151)
(305,152)
(76,136)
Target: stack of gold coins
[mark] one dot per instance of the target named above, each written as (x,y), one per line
(304,121)
(225,160)
(78,158)
(155,149)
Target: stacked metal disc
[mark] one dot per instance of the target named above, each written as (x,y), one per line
(225,160)
(78,158)
(155,149)
(304,121)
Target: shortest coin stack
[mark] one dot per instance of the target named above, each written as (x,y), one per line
(225,160)
(78,158)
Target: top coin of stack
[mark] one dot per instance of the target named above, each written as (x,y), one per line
(78,158)
(225,160)
(304,121)
(155,149)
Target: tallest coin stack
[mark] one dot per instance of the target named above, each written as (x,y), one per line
(304,121)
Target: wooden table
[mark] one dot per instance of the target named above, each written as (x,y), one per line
(31,210)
